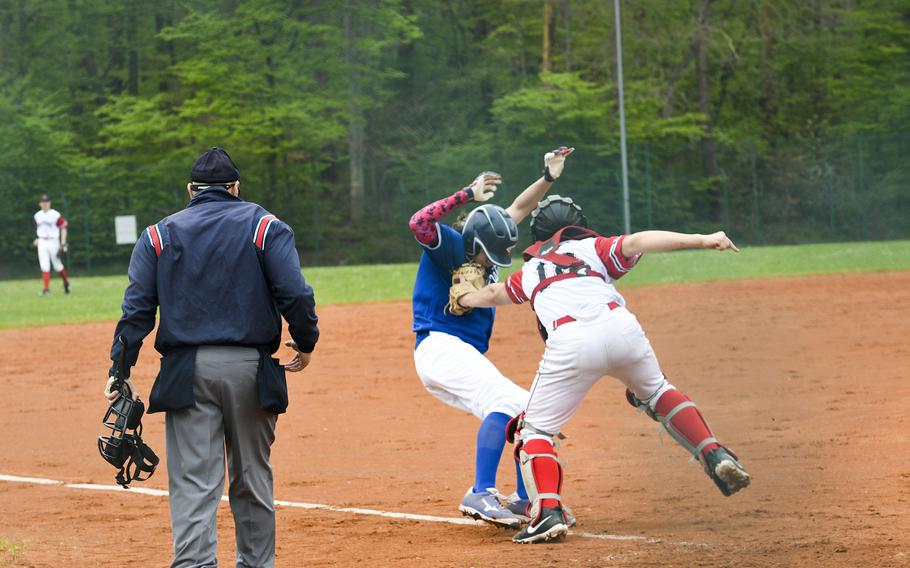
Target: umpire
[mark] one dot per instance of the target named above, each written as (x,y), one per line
(222,272)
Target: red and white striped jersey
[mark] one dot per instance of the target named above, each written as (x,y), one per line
(579,296)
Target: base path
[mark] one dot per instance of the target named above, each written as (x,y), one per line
(804,378)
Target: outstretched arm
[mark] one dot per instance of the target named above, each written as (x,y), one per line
(554,162)
(423,223)
(487,297)
(663,241)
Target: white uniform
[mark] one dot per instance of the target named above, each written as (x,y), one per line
(590,332)
(457,373)
(48,225)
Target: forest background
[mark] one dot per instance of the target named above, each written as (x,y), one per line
(780,121)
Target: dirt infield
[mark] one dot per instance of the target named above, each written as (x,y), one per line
(805,378)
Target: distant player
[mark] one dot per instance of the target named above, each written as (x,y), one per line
(568,280)
(449,353)
(51,243)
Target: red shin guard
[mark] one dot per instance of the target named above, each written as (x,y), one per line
(547,472)
(687,422)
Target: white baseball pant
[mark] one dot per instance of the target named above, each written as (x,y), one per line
(47,255)
(579,353)
(459,375)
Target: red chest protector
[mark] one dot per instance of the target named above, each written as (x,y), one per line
(567,265)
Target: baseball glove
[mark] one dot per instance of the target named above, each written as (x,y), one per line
(467,278)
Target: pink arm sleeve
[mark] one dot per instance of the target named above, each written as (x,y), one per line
(423,223)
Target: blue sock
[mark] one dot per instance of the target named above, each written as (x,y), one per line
(491,439)
(520,487)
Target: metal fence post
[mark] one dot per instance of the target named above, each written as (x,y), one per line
(648,184)
(830,187)
(66,215)
(401,199)
(756,217)
(725,213)
(861,190)
(317,231)
(88,223)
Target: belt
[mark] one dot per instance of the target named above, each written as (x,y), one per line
(569,319)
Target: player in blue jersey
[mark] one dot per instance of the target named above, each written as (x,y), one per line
(449,355)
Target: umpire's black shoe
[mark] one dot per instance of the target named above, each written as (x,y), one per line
(66,287)
(726,472)
(550,525)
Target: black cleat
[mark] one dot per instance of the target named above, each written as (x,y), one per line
(726,472)
(66,287)
(550,525)
(522,507)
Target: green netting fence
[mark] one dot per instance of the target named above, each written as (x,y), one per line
(837,189)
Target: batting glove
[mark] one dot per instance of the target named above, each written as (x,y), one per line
(485,185)
(554,162)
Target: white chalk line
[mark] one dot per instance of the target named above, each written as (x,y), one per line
(301,505)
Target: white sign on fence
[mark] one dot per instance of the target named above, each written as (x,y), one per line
(125,227)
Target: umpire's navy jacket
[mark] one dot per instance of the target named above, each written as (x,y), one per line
(223,272)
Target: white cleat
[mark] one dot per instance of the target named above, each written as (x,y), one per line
(486,507)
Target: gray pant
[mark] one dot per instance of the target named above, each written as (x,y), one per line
(226,415)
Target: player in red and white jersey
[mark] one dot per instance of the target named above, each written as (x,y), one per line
(568,279)
(50,241)
(601,256)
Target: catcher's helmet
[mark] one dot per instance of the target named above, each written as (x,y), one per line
(554,213)
(490,228)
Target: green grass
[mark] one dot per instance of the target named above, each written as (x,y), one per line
(769,262)
(98,298)
(10,551)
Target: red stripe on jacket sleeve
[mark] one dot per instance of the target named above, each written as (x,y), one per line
(514,290)
(261,228)
(155,238)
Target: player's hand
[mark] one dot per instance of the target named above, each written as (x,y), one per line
(485,185)
(35,243)
(300,359)
(65,247)
(112,395)
(718,241)
(555,160)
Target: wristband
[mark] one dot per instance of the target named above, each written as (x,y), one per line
(547,176)
(470,191)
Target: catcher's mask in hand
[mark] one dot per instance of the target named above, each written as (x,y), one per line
(123,448)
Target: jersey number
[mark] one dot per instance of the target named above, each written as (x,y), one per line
(579,268)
